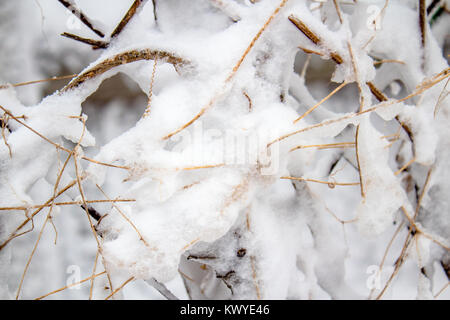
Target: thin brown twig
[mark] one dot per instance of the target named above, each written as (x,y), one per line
(4,126)
(150,94)
(332,93)
(30,218)
(405,166)
(423,20)
(233,71)
(313,37)
(255,277)
(442,290)
(363,193)
(96,44)
(398,264)
(91,289)
(386,251)
(65,203)
(55,188)
(422,194)
(441,98)
(78,174)
(124,58)
(70,5)
(357,78)
(388,61)
(422,88)
(70,76)
(58,146)
(376,92)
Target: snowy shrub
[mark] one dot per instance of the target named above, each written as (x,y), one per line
(286,149)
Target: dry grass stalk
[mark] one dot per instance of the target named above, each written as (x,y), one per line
(96,44)
(338,10)
(405,166)
(29,218)
(128,16)
(233,71)
(55,188)
(150,94)
(313,37)
(376,92)
(331,184)
(250,105)
(91,289)
(343,84)
(326,146)
(4,126)
(141,237)
(422,88)
(69,4)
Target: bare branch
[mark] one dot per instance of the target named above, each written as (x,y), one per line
(128,16)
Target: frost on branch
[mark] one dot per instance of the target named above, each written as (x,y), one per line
(283,144)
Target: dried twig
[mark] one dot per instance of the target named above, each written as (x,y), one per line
(225,8)
(420,89)
(4,127)
(343,84)
(141,237)
(250,105)
(376,92)
(96,44)
(124,58)
(150,94)
(326,146)
(161,288)
(119,288)
(331,184)
(71,285)
(55,188)
(80,15)
(29,218)
(128,16)
(233,71)
(363,193)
